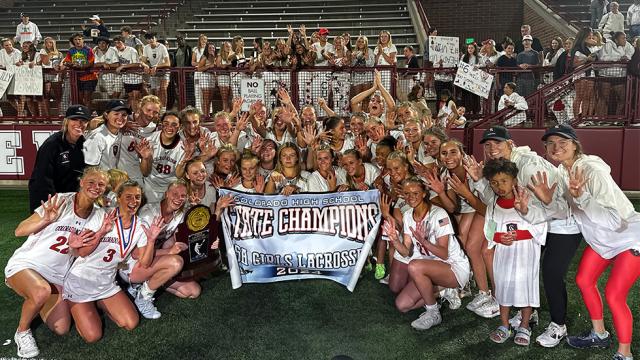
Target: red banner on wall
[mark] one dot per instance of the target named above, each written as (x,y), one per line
(18,147)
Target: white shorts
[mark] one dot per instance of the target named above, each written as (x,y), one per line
(81,290)
(15,266)
(224,80)
(156,80)
(204,79)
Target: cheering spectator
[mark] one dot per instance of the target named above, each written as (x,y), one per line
(96,29)
(536,44)
(581,54)
(340,54)
(323,48)
(611,22)
(633,19)
(385,52)
(27,31)
(128,58)
(281,53)
(50,58)
(155,59)
(511,99)
(527,58)
(81,57)
(425,57)
(488,54)
(302,57)
(597,9)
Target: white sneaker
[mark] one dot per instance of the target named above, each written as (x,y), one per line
(385,280)
(452,296)
(552,335)
(133,289)
(427,320)
(27,347)
(477,301)
(489,309)
(146,307)
(515,320)
(465,291)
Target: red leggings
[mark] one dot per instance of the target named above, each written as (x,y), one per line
(625,272)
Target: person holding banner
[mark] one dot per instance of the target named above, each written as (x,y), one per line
(430,254)
(252,181)
(225,170)
(91,281)
(327,177)
(199,190)
(288,177)
(360,175)
(36,270)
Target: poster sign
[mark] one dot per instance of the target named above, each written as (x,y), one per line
(251,90)
(273,238)
(26,80)
(445,48)
(5,81)
(473,79)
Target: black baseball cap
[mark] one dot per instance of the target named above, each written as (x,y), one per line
(24,14)
(499,133)
(117,105)
(562,130)
(80,112)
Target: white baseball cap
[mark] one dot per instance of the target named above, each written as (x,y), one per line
(95,17)
(527,37)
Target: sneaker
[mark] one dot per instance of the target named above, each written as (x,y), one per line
(133,289)
(489,309)
(146,307)
(618,356)
(427,319)
(477,301)
(515,321)
(385,280)
(552,335)
(589,340)
(27,347)
(451,296)
(466,291)
(380,270)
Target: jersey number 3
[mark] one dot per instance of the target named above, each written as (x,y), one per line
(109,256)
(59,246)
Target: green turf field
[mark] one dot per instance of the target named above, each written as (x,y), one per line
(292,320)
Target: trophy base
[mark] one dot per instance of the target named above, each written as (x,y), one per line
(199,271)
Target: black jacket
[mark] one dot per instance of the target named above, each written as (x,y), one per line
(58,168)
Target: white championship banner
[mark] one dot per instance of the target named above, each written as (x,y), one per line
(305,236)
(473,79)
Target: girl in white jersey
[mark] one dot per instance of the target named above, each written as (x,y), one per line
(251,180)
(288,177)
(36,270)
(91,280)
(199,190)
(430,251)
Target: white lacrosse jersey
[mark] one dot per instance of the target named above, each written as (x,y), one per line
(129,159)
(102,148)
(163,169)
(150,211)
(93,277)
(47,251)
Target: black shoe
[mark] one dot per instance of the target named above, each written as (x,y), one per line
(589,340)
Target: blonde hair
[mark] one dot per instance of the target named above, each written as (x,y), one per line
(116,176)
(150,99)
(200,37)
(54,51)
(388,33)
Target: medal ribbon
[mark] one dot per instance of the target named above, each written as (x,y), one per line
(125,242)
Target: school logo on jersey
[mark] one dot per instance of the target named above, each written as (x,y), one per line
(512,227)
(115,149)
(64,157)
(443,221)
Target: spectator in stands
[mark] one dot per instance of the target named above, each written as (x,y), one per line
(488,54)
(612,89)
(361,56)
(223,61)
(265,58)
(27,31)
(508,60)
(580,54)
(182,54)
(29,56)
(281,53)
(50,59)
(553,53)
(131,40)
(81,57)
(447,109)
(385,53)
(96,29)
(302,57)
(155,61)
(525,30)
(339,55)
(411,60)
(9,55)
(510,99)
(196,54)
(257,47)
(347,41)
(60,161)
(563,62)
(425,57)
(207,79)
(106,57)
(323,48)
(503,45)
(526,59)
(611,22)
(633,19)
(238,59)
(633,67)
(129,63)
(470,100)
(597,9)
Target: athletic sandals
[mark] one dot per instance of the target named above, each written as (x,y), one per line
(500,335)
(27,347)
(589,340)
(552,335)
(523,336)
(380,270)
